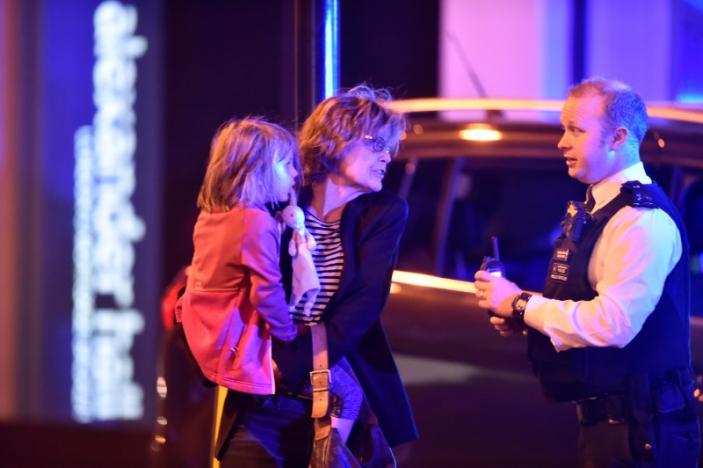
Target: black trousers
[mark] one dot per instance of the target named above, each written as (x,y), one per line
(676,443)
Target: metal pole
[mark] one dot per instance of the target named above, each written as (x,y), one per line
(316,53)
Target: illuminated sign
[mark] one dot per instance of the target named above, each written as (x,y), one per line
(106,227)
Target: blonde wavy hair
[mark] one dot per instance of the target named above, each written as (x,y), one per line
(344,119)
(240,168)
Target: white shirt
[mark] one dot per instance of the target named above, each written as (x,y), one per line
(635,253)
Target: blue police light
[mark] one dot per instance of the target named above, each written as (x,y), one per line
(331,54)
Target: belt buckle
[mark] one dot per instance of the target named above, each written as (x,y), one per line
(320,380)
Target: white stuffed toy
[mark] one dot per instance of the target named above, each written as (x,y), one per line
(306,284)
(293,217)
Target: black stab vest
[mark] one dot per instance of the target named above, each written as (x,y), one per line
(662,345)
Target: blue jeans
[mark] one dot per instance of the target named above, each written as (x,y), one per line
(272,431)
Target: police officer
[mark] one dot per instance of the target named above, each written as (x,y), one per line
(611,329)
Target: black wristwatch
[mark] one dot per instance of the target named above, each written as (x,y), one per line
(519,304)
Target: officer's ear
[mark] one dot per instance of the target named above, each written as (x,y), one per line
(618,139)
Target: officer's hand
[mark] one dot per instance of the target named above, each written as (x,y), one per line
(505,328)
(502,326)
(495,293)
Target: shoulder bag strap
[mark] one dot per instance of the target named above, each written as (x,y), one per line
(320,379)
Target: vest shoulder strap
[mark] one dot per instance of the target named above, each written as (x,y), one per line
(633,193)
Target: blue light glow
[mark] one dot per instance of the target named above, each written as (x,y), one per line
(696,4)
(331,71)
(690,98)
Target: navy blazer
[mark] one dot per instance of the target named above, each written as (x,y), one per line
(371,227)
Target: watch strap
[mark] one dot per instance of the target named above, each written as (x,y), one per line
(519,305)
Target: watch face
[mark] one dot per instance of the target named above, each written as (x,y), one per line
(519,305)
(521,302)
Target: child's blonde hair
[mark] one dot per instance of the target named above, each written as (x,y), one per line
(240,168)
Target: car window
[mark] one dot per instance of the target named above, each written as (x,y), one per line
(420,184)
(522,207)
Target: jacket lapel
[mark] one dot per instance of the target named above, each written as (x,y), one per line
(349,234)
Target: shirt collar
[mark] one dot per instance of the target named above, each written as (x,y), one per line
(607,189)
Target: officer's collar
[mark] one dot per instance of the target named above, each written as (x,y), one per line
(607,189)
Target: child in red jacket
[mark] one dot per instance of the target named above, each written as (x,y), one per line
(234,300)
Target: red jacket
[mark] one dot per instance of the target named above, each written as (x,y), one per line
(234,300)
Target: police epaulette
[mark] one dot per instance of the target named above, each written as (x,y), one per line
(640,196)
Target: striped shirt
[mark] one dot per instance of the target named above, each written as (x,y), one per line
(329,261)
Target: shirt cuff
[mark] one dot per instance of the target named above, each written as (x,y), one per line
(534,318)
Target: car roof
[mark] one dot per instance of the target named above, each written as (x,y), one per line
(670,111)
(498,131)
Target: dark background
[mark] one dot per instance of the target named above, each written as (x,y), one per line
(207,61)
(234,58)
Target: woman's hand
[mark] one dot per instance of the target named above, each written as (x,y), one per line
(277,374)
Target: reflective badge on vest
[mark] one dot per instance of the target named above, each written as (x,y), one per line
(561,254)
(559,272)
(575,219)
(572,226)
